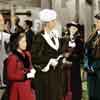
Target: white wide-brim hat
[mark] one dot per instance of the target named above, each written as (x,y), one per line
(47,15)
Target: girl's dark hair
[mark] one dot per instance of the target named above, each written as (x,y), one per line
(14,40)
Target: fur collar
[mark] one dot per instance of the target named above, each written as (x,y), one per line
(23,59)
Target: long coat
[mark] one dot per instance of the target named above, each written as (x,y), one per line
(48,84)
(76,56)
(94,77)
(19,87)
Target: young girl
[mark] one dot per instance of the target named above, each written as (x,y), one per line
(19,70)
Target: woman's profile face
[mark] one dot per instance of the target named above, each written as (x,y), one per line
(22,44)
(73,30)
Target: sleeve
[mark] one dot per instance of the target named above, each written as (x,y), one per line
(30,58)
(7,37)
(39,60)
(37,52)
(64,45)
(13,73)
(28,54)
(78,53)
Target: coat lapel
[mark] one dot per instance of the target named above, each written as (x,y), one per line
(49,41)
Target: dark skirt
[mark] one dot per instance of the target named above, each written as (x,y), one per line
(50,85)
(74,83)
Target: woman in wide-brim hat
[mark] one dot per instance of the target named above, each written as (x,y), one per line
(72,23)
(73,48)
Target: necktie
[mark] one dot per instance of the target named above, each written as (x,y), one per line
(53,40)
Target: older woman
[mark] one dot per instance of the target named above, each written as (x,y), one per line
(45,52)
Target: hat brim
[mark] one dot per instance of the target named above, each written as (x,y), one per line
(70,24)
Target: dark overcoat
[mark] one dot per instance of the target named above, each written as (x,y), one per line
(48,84)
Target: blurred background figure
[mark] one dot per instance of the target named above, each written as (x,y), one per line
(7,26)
(37,27)
(93,58)
(4,37)
(16,28)
(7,29)
(29,33)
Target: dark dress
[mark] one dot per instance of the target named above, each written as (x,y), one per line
(76,56)
(48,84)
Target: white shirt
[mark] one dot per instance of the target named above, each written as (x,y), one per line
(4,37)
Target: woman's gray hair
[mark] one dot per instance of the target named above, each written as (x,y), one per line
(43,24)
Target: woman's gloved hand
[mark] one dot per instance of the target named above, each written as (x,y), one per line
(53,62)
(31,74)
(64,61)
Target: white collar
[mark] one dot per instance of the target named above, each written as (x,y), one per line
(51,34)
(55,46)
(72,44)
(99,32)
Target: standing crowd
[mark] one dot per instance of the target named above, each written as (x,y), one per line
(44,66)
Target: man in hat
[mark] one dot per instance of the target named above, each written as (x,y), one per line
(45,51)
(93,58)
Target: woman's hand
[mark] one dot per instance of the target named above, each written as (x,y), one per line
(67,54)
(64,61)
(31,74)
(53,62)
